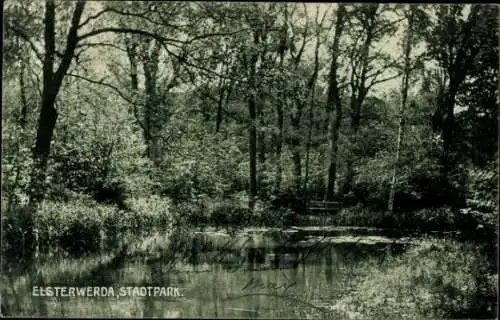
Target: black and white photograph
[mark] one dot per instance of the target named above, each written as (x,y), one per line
(249,160)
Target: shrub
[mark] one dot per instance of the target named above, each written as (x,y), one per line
(425,220)
(232,211)
(482,195)
(195,211)
(206,165)
(82,226)
(74,227)
(149,213)
(202,210)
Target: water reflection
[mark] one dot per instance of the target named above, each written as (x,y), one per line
(268,275)
(251,274)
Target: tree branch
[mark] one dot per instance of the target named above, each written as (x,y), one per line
(71,43)
(124,97)
(100,44)
(97,15)
(157,37)
(102,83)
(25,37)
(374,82)
(163,40)
(142,15)
(301,51)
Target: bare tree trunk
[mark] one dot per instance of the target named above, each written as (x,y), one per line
(295,147)
(402,108)
(333,99)
(448,128)
(252,140)
(133,108)
(355,121)
(220,101)
(280,104)
(308,144)
(297,165)
(24,111)
(151,106)
(279,143)
(261,146)
(252,131)
(132,57)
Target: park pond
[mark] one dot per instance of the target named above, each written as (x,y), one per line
(300,272)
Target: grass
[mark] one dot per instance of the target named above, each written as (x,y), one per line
(436,279)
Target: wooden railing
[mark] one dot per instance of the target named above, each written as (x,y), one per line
(322,207)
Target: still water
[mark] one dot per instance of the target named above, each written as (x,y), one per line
(249,273)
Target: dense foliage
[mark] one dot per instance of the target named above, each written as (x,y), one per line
(225,113)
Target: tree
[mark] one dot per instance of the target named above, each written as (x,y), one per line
(370,25)
(411,13)
(334,103)
(456,43)
(318,33)
(52,82)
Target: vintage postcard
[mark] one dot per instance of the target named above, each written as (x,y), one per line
(249,160)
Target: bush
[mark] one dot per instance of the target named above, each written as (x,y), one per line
(202,210)
(74,227)
(148,213)
(82,226)
(194,211)
(425,220)
(482,195)
(435,279)
(230,212)
(211,166)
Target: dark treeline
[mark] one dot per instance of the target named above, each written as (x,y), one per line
(216,111)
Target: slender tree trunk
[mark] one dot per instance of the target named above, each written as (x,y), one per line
(134,85)
(132,57)
(261,147)
(252,132)
(24,111)
(220,102)
(448,128)
(229,91)
(333,99)
(279,143)
(402,108)
(252,140)
(308,144)
(312,86)
(152,104)
(297,165)
(280,117)
(392,191)
(311,113)
(295,148)
(355,121)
